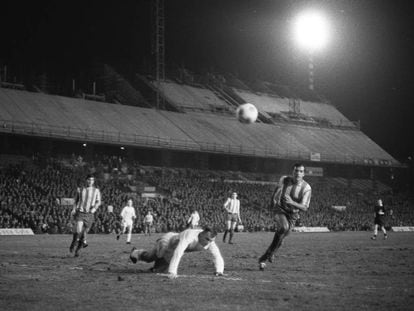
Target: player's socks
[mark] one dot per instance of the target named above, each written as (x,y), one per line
(264,257)
(231,236)
(225,235)
(74,240)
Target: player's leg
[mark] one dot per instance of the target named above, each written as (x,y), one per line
(121,231)
(282,230)
(75,238)
(384,231)
(374,237)
(80,232)
(160,266)
(232,227)
(129,228)
(143,255)
(228,226)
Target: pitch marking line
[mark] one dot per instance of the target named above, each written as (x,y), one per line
(203,277)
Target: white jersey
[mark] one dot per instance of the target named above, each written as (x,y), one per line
(187,241)
(128,214)
(148,218)
(194,219)
(232,206)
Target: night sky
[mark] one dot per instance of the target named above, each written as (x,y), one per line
(367,71)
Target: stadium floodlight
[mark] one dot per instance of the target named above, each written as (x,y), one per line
(311,30)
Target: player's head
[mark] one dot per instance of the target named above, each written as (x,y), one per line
(206,237)
(379,202)
(90,179)
(298,171)
(234,195)
(129,202)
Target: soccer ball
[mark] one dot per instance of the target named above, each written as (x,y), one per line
(247,113)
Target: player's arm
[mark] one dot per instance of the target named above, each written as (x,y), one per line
(238,213)
(226,204)
(98,201)
(218,259)
(303,205)
(176,258)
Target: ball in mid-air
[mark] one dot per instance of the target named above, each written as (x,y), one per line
(247,113)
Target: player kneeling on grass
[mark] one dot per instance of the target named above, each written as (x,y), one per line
(169,249)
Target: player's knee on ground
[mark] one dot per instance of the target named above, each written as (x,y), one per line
(160,265)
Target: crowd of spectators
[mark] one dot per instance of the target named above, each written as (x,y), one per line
(37,195)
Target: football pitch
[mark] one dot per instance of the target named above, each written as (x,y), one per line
(313,271)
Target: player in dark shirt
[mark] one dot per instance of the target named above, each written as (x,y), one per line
(379,220)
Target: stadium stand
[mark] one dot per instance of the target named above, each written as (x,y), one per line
(34,191)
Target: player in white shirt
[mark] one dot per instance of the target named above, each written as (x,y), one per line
(128,216)
(192,222)
(169,249)
(87,201)
(232,206)
(148,222)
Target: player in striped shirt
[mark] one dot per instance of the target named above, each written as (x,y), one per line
(232,206)
(291,195)
(87,202)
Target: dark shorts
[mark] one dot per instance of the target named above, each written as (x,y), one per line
(291,217)
(87,218)
(379,221)
(232,217)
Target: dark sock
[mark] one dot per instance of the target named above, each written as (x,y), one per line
(231,235)
(225,235)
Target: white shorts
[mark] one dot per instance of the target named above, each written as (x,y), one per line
(127,223)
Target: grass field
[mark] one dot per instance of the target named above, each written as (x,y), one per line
(313,271)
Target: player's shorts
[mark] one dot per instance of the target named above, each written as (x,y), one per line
(166,244)
(291,217)
(233,217)
(379,221)
(87,218)
(127,223)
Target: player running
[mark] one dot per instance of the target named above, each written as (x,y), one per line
(87,201)
(128,216)
(169,249)
(291,195)
(193,220)
(379,220)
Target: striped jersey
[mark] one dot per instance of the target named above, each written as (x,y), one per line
(88,198)
(300,192)
(232,206)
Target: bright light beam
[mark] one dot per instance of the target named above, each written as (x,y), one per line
(311,31)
